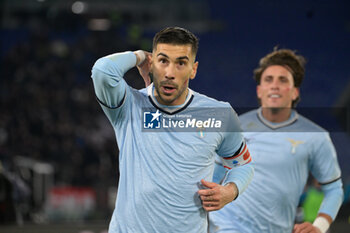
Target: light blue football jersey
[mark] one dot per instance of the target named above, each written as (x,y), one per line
(283,155)
(160,168)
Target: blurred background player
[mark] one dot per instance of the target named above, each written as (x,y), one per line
(163,172)
(285,147)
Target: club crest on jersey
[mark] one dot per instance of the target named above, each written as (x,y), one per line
(295,144)
(152,120)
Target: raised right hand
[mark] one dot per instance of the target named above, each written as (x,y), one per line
(145,66)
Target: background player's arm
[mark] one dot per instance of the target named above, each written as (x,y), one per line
(333,197)
(325,168)
(320,225)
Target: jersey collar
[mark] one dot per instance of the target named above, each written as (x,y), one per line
(293,117)
(165,108)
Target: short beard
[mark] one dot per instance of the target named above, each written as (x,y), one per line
(169,102)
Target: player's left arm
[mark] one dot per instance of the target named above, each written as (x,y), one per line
(236,180)
(216,196)
(239,168)
(325,168)
(333,197)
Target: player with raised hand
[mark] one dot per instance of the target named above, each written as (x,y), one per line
(165,171)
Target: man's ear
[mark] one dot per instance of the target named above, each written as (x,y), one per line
(296,93)
(194,70)
(258,92)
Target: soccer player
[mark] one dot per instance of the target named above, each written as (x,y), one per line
(165,172)
(285,147)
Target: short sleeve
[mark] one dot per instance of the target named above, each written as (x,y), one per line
(324,162)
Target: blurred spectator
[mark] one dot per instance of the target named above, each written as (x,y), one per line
(13,193)
(7,204)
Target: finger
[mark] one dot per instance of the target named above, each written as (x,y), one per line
(211,207)
(298,228)
(206,192)
(295,227)
(208,198)
(208,184)
(303,228)
(214,202)
(210,204)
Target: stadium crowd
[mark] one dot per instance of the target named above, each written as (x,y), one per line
(48,110)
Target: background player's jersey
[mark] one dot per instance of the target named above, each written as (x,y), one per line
(160,169)
(283,154)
